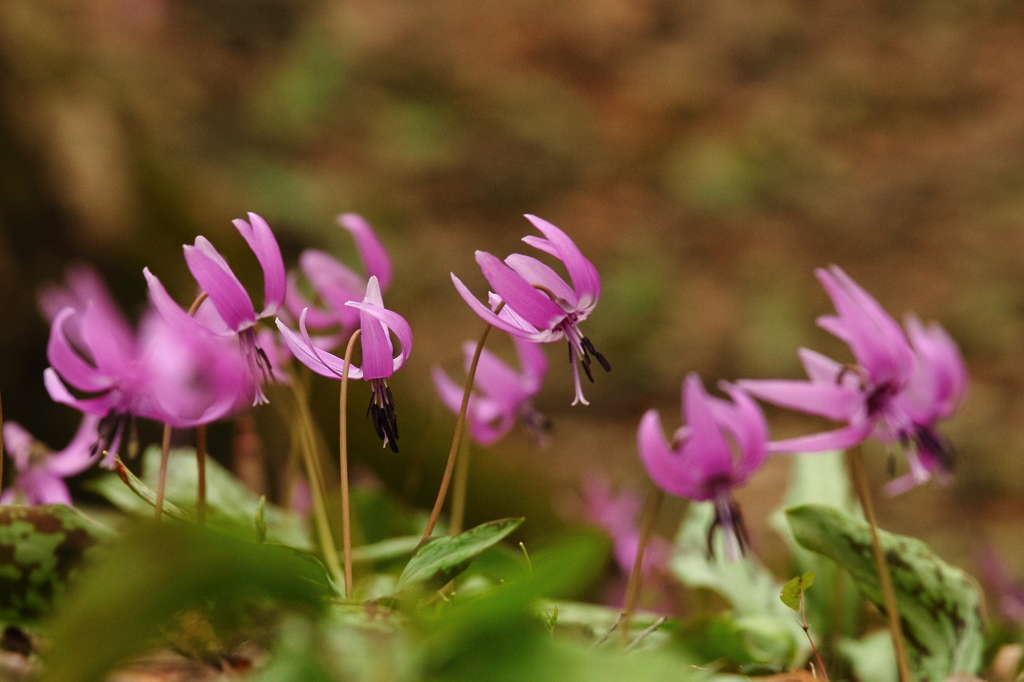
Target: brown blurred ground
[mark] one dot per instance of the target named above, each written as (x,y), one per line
(706,155)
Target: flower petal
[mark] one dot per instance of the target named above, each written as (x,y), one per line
(372,252)
(832,401)
(667,469)
(584,276)
(66,360)
(321,362)
(529,303)
(840,439)
(706,450)
(219,282)
(537,273)
(261,240)
(488,316)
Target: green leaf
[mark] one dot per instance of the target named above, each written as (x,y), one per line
(444,558)
(793,591)
(938,604)
(42,550)
(747,585)
(156,571)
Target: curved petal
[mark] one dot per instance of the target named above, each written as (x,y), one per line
(832,401)
(391,321)
(532,305)
(706,450)
(537,273)
(748,426)
(372,252)
(216,278)
(495,379)
(78,455)
(60,394)
(840,439)
(667,469)
(112,353)
(488,316)
(584,276)
(534,363)
(822,369)
(18,443)
(261,240)
(66,360)
(449,391)
(321,362)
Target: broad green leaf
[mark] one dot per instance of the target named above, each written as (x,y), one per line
(385,550)
(938,604)
(871,657)
(41,551)
(793,591)
(158,570)
(746,584)
(444,558)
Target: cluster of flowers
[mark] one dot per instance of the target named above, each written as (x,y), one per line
(191,367)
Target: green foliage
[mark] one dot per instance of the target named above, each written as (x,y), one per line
(152,573)
(793,591)
(444,558)
(759,628)
(938,604)
(42,550)
(229,504)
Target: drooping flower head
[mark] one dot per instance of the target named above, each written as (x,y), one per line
(379,362)
(897,390)
(719,447)
(182,377)
(41,471)
(336,284)
(233,312)
(502,394)
(531,301)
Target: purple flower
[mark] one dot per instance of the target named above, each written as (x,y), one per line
(503,394)
(336,284)
(617,514)
(41,472)
(183,377)
(233,312)
(537,304)
(377,324)
(897,391)
(699,464)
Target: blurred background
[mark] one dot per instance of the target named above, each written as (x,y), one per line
(706,156)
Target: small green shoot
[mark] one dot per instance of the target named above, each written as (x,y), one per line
(793,597)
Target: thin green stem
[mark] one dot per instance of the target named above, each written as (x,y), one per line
(307,442)
(635,584)
(161,482)
(460,423)
(346,519)
(459,489)
(888,594)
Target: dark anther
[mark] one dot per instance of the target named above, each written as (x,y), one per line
(264,362)
(385,419)
(589,347)
(585,363)
(878,398)
(929,441)
(729,519)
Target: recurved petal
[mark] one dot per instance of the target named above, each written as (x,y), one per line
(822,369)
(584,276)
(534,363)
(449,391)
(371,250)
(18,444)
(225,291)
(745,420)
(59,393)
(840,439)
(940,374)
(537,273)
(392,322)
(667,469)
(65,359)
(706,450)
(833,401)
(488,316)
(261,240)
(320,361)
(495,379)
(77,456)
(532,305)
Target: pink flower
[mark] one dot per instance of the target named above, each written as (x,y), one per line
(336,284)
(377,324)
(41,472)
(699,463)
(617,514)
(235,314)
(502,394)
(538,305)
(897,391)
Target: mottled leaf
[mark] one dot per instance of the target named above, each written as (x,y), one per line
(41,551)
(444,558)
(938,604)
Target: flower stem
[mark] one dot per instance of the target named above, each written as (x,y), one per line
(346,519)
(161,482)
(307,443)
(636,575)
(201,474)
(888,594)
(1,445)
(457,438)
(459,490)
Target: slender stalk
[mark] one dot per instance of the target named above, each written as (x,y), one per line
(1,445)
(459,490)
(161,483)
(201,474)
(636,575)
(457,438)
(346,519)
(316,484)
(888,594)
